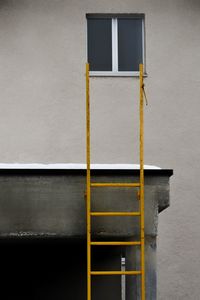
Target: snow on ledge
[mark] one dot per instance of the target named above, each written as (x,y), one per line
(77,166)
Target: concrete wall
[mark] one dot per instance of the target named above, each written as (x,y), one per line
(50,203)
(42,107)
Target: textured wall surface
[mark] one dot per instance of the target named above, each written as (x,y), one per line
(42,108)
(51,203)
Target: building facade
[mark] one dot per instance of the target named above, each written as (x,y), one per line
(44,48)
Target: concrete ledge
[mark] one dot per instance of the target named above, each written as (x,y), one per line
(50,202)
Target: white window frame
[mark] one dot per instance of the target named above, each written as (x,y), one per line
(115,72)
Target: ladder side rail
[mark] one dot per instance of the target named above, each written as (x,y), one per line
(142,233)
(88,202)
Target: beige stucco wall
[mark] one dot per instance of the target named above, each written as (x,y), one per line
(42,108)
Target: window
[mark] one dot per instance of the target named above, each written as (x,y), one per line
(115,44)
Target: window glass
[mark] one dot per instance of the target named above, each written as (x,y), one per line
(129,44)
(100,44)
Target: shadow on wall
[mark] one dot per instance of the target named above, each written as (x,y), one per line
(41,269)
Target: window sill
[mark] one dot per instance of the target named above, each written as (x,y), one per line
(115,74)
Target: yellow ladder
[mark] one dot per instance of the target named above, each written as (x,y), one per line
(139,213)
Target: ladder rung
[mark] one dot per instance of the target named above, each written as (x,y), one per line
(96,184)
(115,272)
(135,243)
(112,214)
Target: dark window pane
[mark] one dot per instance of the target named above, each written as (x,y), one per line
(129,44)
(100,44)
